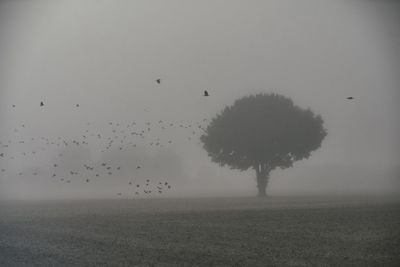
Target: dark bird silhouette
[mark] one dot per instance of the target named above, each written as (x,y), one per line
(350,97)
(158,81)
(87,180)
(77,105)
(13,106)
(41,103)
(206,93)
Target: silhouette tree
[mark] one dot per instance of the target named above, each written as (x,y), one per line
(263,132)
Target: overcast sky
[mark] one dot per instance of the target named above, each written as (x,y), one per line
(106,55)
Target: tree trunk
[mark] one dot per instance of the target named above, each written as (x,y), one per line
(262,173)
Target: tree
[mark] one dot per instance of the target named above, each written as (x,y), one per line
(263,132)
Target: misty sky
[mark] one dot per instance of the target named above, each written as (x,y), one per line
(106,55)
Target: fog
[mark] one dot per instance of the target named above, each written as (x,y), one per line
(106,57)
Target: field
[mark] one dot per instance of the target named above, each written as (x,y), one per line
(276,231)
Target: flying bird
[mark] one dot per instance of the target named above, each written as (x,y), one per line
(158,81)
(41,103)
(206,93)
(350,97)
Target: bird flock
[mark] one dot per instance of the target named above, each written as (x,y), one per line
(111,137)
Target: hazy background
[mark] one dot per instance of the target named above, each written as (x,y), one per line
(106,55)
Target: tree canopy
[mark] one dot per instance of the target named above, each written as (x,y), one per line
(263,130)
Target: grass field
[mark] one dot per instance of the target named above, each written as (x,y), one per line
(276,231)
